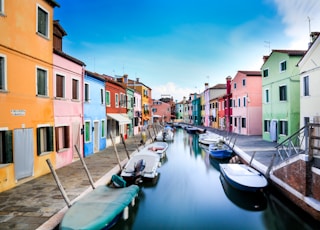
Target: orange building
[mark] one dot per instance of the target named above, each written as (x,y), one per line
(26,118)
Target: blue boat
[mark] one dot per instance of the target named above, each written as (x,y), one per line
(99,208)
(220,151)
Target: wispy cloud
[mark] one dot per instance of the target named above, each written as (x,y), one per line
(295,16)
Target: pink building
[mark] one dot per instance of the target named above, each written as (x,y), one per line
(161,111)
(246,89)
(68,96)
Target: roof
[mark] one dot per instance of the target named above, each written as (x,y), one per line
(289,52)
(219,86)
(95,75)
(250,72)
(70,58)
(58,26)
(52,3)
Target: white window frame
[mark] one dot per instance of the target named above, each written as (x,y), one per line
(108,103)
(2,8)
(104,127)
(47,81)
(244,101)
(90,131)
(280,66)
(281,128)
(5,78)
(78,89)
(48,22)
(306,88)
(116,100)
(266,69)
(280,86)
(244,82)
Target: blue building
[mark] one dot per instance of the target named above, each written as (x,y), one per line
(94,113)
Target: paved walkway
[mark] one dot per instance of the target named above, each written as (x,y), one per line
(38,204)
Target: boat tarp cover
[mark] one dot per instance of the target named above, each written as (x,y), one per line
(98,208)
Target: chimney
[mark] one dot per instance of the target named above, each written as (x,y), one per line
(228,84)
(206,86)
(137,80)
(313,37)
(125,78)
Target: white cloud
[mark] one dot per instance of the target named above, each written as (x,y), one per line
(295,14)
(172,90)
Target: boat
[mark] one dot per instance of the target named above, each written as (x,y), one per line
(209,138)
(159,147)
(243,177)
(100,208)
(165,135)
(220,151)
(142,166)
(191,129)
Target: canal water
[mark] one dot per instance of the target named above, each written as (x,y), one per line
(191,194)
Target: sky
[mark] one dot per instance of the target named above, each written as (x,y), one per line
(176,46)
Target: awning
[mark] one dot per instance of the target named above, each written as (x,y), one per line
(121,118)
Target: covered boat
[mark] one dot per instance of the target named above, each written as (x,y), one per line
(209,138)
(100,208)
(243,177)
(158,147)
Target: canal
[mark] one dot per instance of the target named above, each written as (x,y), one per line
(191,194)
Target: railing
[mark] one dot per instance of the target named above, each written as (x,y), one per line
(305,141)
(294,144)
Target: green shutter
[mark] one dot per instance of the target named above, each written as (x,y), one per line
(8,147)
(50,139)
(38,142)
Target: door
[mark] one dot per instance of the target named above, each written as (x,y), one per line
(23,153)
(76,135)
(273,130)
(96,137)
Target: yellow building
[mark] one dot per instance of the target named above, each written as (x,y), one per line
(26,117)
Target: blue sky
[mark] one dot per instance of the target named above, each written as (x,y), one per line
(176,46)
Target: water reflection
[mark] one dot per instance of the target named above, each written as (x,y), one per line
(190,194)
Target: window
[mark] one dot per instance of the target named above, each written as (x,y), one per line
(107,98)
(243,122)
(235,122)
(75,89)
(60,86)
(306,86)
(6,153)
(1,7)
(283,126)
(283,66)
(239,102)
(117,99)
(243,82)
(62,138)
(283,93)
(42,82)
(122,100)
(265,73)
(266,125)
(244,101)
(235,85)
(103,128)
(86,92)
(87,131)
(3,78)
(42,22)
(102,96)
(266,96)
(44,140)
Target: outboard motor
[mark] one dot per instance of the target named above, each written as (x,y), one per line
(164,135)
(139,166)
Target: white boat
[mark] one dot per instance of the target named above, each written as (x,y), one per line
(158,147)
(165,135)
(143,165)
(243,177)
(209,138)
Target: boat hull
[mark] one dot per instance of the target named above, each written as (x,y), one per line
(243,177)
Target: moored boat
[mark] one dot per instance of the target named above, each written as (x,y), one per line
(220,151)
(243,177)
(99,208)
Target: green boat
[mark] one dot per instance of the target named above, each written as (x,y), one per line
(99,208)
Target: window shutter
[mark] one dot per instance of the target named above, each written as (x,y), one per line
(66,137)
(8,148)
(38,142)
(50,138)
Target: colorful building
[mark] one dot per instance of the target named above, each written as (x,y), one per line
(68,96)
(214,92)
(161,111)
(281,94)
(246,87)
(26,118)
(227,106)
(94,108)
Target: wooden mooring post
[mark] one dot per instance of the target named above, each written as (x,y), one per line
(85,167)
(125,146)
(116,151)
(56,178)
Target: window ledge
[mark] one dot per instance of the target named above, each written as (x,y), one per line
(4,165)
(63,150)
